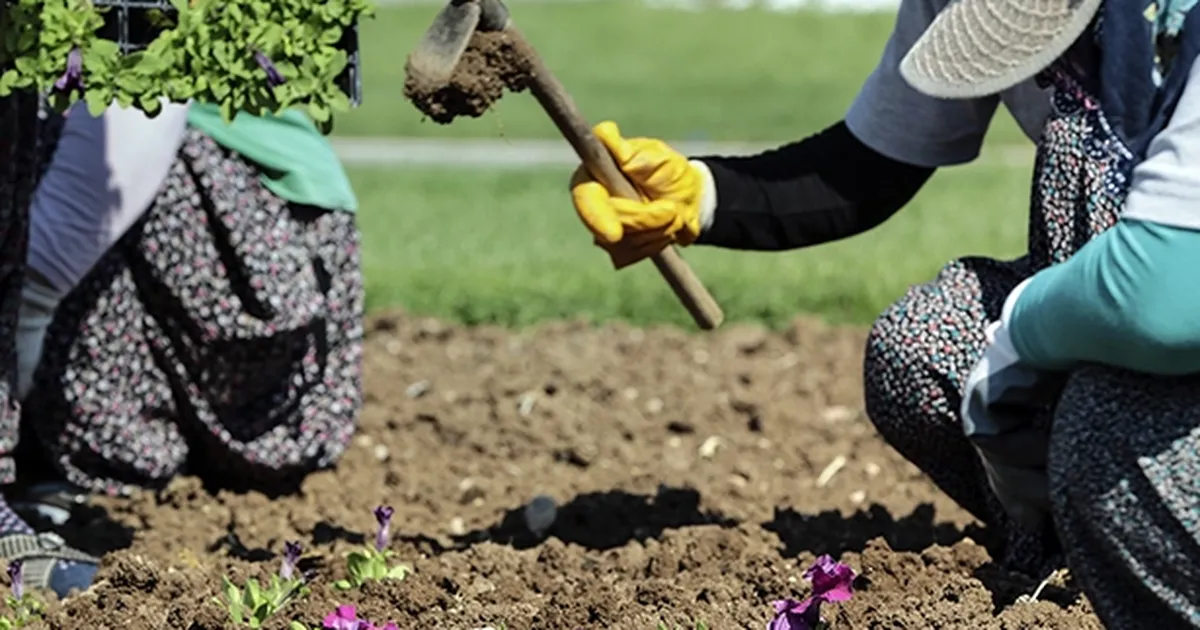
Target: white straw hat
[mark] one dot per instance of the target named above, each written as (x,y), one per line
(980,47)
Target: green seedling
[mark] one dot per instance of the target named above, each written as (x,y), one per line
(24,606)
(373,563)
(254,604)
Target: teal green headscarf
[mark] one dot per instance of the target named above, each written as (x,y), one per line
(297,162)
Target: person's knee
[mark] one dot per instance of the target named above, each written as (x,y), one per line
(1121,497)
(900,362)
(1157,339)
(885,360)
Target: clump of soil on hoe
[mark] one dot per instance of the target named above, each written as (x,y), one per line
(490,66)
(687,470)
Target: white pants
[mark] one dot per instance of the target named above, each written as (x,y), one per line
(105,173)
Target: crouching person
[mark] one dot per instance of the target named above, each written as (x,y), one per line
(193,306)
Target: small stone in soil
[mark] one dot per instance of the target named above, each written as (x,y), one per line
(540,514)
(418,389)
(832,469)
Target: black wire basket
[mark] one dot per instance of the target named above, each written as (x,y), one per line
(129,24)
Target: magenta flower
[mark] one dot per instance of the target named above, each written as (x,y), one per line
(16,575)
(72,77)
(831,581)
(383,516)
(291,555)
(344,618)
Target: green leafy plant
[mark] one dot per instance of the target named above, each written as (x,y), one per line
(24,606)
(254,604)
(256,56)
(370,563)
(700,625)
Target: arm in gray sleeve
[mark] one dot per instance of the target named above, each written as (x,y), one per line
(901,123)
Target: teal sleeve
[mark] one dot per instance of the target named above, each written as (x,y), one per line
(1129,299)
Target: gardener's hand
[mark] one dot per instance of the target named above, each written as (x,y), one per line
(673,190)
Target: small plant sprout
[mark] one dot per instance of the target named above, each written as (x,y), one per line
(345,617)
(700,625)
(291,555)
(253,605)
(831,581)
(24,606)
(1056,578)
(371,563)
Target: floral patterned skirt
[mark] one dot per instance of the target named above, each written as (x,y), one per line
(222,337)
(21,159)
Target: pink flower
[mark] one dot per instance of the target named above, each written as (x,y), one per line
(793,615)
(832,582)
(344,618)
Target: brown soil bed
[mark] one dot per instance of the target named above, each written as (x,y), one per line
(685,468)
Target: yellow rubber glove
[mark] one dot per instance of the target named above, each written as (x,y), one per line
(669,211)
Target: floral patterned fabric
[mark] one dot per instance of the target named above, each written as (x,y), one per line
(19,171)
(222,337)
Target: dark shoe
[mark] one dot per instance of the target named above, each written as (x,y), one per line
(52,502)
(49,562)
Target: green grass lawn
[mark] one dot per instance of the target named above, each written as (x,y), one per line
(506,247)
(721,74)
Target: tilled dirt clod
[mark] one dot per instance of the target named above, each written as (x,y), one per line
(490,66)
(649,523)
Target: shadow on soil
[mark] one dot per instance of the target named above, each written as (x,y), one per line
(830,532)
(90,529)
(598,521)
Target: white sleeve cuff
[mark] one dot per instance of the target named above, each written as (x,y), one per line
(708,195)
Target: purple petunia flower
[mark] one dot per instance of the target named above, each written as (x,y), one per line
(274,77)
(346,618)
(383,515)
(72,77)
(793,615)
(291,555)
(16,575)
(831,581)
(343,618)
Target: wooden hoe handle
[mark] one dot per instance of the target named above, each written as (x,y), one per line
(566,116)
